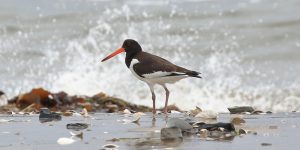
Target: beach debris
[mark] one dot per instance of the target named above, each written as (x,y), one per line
(196,111)
(237,120)
(240,109)
(171,108)
(38,97)
(179,123)
(110,147)
(65,141)
(170,133)
(227,127)
(207,115)
(46,115)
(266,144)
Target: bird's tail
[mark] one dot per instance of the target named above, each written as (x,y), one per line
(194,74)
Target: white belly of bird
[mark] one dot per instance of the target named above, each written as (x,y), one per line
(156,77)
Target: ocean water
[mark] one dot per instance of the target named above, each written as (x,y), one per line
(247,51)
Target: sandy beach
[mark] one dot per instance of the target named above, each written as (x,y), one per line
(270,131)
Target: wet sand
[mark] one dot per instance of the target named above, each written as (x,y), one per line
(270,131)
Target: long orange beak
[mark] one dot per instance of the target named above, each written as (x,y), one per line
(118,51)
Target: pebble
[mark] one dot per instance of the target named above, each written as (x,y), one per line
(170,133)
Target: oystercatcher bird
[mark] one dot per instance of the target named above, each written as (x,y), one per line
(151,68)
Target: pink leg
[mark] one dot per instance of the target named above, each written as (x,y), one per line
(153,98)
(167,98)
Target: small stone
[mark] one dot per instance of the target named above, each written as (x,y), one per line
(237,120)
(170,133)
(240,109)
(265,144)
(269,112)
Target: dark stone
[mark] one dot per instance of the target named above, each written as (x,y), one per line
(228,127)
(46,115)
(77,126)
(1,93)
(240,109)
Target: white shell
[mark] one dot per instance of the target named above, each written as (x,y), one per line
(65,141)
(207,115)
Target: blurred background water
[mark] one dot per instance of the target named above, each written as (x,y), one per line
(247,50)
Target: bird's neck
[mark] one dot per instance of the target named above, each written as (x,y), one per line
(129,57)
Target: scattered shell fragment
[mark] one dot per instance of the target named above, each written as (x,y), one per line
(126,111)
(136,120)
(110,147)
(265,144)
(242,131)
(207,115)
(65,141)
(196,111)
(175,112)
(237,120)
(84,113)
